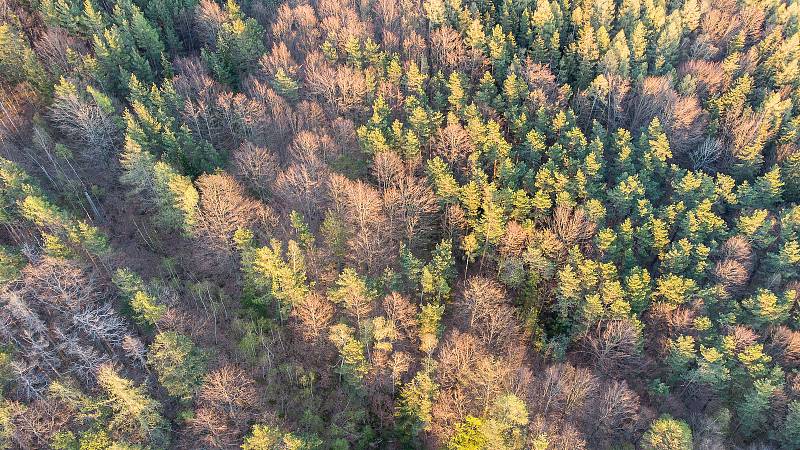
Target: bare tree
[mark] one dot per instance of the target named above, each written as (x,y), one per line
(709,76)
(279,58)
(785,345)
(302,188)
(60,324)
(135,349)
(314,315)
(614,411)
(562,389)
(343,89)
(410,205)
(224,207)
(256,167)
(84,121)
(614,346)
(731,275)
(34,425)
(561,435)
(487,312)
(572,226)
(52,48)
(102,323)
(209,18)
(360,206)
(227,403)
(453,143)
(60,284)
(703,156)
(402,312)
(297,26)
(470,380)
(447,49)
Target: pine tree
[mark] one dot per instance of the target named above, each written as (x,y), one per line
(239,44)
(430,326)
(134,415)
(791,425)
(666,433)
(469,435)
(353,294)
(415,406)
(179,364)
(19,63)
(353,366)
(752,411)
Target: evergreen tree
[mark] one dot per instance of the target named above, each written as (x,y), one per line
(179,364)
(666,433)
(134,416)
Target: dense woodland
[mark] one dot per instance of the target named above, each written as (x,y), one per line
(392,224)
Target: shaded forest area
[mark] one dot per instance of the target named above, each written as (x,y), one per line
(391,224)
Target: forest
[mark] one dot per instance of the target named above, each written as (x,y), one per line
(400,224)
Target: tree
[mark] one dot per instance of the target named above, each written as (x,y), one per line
(223,208)
(614,345)
(353,366)
(791,430)
(145,305)
(508,418)
(314,314)
(468,435)
(238,44)
(486,311)
(614,409)
(430,326)
(359,206)
(752,411)
(265,437)
(86,118)
(19,63)
(131,45)
(179,364)
(135,416)
(270,276)
(352,293)
(415,405)
(666,433)
(226,402)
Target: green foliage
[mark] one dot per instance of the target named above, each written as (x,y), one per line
(353,366)
(265,437)
(179,364)
(131,45)
(6,425)
(10,264)
(144,304)
(609,162)
(666,433)
(62,234)
(173,196)
(273,277)
(468,435)
(153,127)
(791,426)
(415,406)
(752,411)
(19,63)
(237,48)
(352,293)
(134,415)
(430,326)
(506,426)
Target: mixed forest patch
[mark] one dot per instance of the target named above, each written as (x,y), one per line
(334,224)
